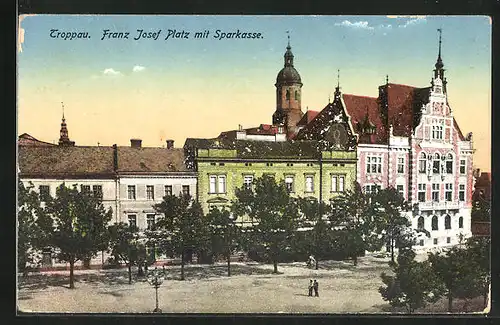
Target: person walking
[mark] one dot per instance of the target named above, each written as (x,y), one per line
(310,288)
(316,288)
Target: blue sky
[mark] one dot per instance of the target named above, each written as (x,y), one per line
(231,82)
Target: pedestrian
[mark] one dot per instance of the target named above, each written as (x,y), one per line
(310,288)
(316,288)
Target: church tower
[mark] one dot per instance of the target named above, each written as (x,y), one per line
(288,94)
(64,137)
(439,81)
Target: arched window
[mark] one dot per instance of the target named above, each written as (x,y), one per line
(287,94)
(447,222)
(422,163)
(296,95)
(436,163)
(461,222)
(420,224)
(449,164)
(434,223)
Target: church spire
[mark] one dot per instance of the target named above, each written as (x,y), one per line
(63,133)
(337,89)
(439,71)
(288,53)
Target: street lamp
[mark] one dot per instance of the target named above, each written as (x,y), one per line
(155,278)
(229,225)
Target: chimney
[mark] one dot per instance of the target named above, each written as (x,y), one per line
(115,157)
(170,144)
(135,143)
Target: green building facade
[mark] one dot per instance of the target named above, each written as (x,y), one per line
(223,165)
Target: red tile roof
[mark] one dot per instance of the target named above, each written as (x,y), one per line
(308,117)
(361,109)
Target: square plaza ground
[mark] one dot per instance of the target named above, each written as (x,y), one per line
(252,288)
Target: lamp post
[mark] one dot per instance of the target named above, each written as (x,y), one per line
(229,225)
(155,278)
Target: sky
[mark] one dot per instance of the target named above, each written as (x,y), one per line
(116,89)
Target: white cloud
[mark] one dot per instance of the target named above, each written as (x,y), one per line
(111,72)
(356,25)
(138,68)
(412,22)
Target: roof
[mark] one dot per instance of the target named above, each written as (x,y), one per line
(460,134)
(27,140)
(150,160)
(263,129)
(307,117)
(363,109)
(65,161)
(97,161)
(403,111)
(259,149)
(288,75)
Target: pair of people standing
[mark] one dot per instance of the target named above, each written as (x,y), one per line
(313,285)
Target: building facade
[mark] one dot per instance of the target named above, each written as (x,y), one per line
(409,139)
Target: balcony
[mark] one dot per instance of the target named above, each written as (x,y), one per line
(443,205)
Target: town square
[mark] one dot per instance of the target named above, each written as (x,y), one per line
(194,170)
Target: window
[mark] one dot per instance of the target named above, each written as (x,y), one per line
(341,183)
(289,183)
(421,242)
(461,192)
(401,165)
(449,164)
(85,189)
(421,192)
(269,164)
(422,163)
(132,220)
(400,189)
(217,184)
(435,164)
(131,192)
(247,181)
(421,223)
(168,190)
(435,241)
(437,132)
(447,222)
(373,165)
(461,222)
(287,94)
(334,183)
(97,190)
(309,184)
(462,166)
(44,192)
(372,188)
(448,240)
(435,192)
(448,190)
(296,95)
(185,190)
(150,192)
(222,164)
(150,219)
(338,183)
(435,223)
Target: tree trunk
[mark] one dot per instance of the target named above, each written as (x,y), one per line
(129,273)
(355,259)
(182,265)
(275,263)
(392,249)
(450,302)
(316,263)
(71,275)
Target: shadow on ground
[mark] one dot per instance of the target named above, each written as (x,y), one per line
(194,272)
(440,307)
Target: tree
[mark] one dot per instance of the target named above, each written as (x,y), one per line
(124,245)
(79,225)
(181,229)
(32,226)
(353,212)
(387,207)
(464,270)
(413,284)
(274,211)
(223,230)
(320,233)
